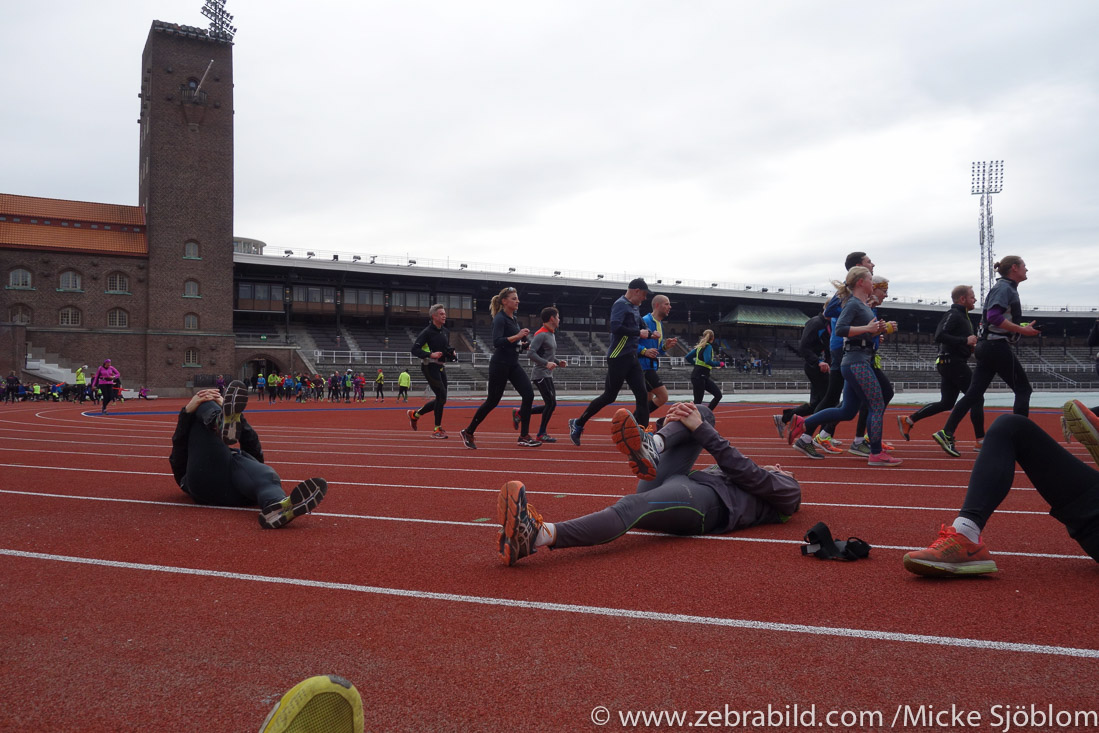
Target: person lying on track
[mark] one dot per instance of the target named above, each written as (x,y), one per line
(734,494)
(1069,485)
(210,471)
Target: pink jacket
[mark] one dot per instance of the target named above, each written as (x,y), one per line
(105,374)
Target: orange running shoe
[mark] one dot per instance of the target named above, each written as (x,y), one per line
(519,523)
(1083,424)
(950,555)
(904,426)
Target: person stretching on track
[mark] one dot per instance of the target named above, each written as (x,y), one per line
(1069,485)
(734,494)
(211,471)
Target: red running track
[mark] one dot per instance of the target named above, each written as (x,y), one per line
(127,607)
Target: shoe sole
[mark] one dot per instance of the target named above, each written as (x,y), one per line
(304,498)
(904,427)
(933,569)
(437,436)
(508,508)
(1082,427)
(546,439)
(232,405)
(945,445)
(413,420)
(779,425)
(887,464)
(796,428)
(325,702)
(627,437)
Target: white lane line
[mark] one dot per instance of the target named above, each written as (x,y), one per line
(416,520)
(627,613)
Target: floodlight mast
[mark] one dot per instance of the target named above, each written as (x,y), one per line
(987,179)
(220,20)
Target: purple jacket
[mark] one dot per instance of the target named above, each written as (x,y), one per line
(105,374)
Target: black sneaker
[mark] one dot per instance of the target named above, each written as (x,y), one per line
(529,442)
(232,405)
(467,438)
(543,438)
(808,449)
(575,431)
(303,499)
(946,442)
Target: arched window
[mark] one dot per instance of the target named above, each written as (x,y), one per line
(118,318)
(19,278)
(190,289)
(70,280)
(191,358)
(20,313)
(190,250)
(190,322)
(69,316)
(118,282)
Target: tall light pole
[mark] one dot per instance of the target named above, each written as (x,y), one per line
(988,178)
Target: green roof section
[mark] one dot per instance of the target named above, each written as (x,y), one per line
(764,315)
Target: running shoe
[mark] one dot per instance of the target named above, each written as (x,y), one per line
(528,442)
(439,434)
(515,417)
(808,448)
(779,425)
(519,523)
(467,439)
(904,426)
(575,431)
(978,444)
(325,702)
(232,406)
(303,499)
(635,444)
(827,445)
(951,554)
(882,459)
(861,449)
(413,419)
(1084,426)
(543,438)
(946,442)
(796,428)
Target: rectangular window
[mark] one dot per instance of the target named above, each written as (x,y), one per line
(262,292)
(329,295)
(299,294)
(244,291)
(314,295)
(349,295)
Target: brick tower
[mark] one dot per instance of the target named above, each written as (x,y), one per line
(186,188)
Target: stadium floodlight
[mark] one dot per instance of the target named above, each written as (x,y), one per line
(678,282)
(557,273)
(373,258)
(782,290)
(598,277)
(511,270)
(411,263)
(713,285)
(747,287)
(288,252)
(355,258)
(463,266)
(986,178)
(310,255)
(763,290)
(335,258)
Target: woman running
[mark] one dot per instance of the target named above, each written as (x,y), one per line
(104,379)
(857,325)
(703,356)
(509,339)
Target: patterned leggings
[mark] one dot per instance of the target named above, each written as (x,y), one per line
(860,384)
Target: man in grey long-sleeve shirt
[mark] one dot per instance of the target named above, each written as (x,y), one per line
(543,355)
(734,494)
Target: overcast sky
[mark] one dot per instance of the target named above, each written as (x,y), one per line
(753,142)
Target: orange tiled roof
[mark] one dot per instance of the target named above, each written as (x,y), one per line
(69,239)
(12,205)
(25,235)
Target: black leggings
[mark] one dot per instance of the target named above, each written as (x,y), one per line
(672,502)
(835,389)
(702,382)
(499,374)
(1069,485)
(993,358)
(108,394)
(956,378)
(223,477)
(436,379)
(624,369)
(548,391)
